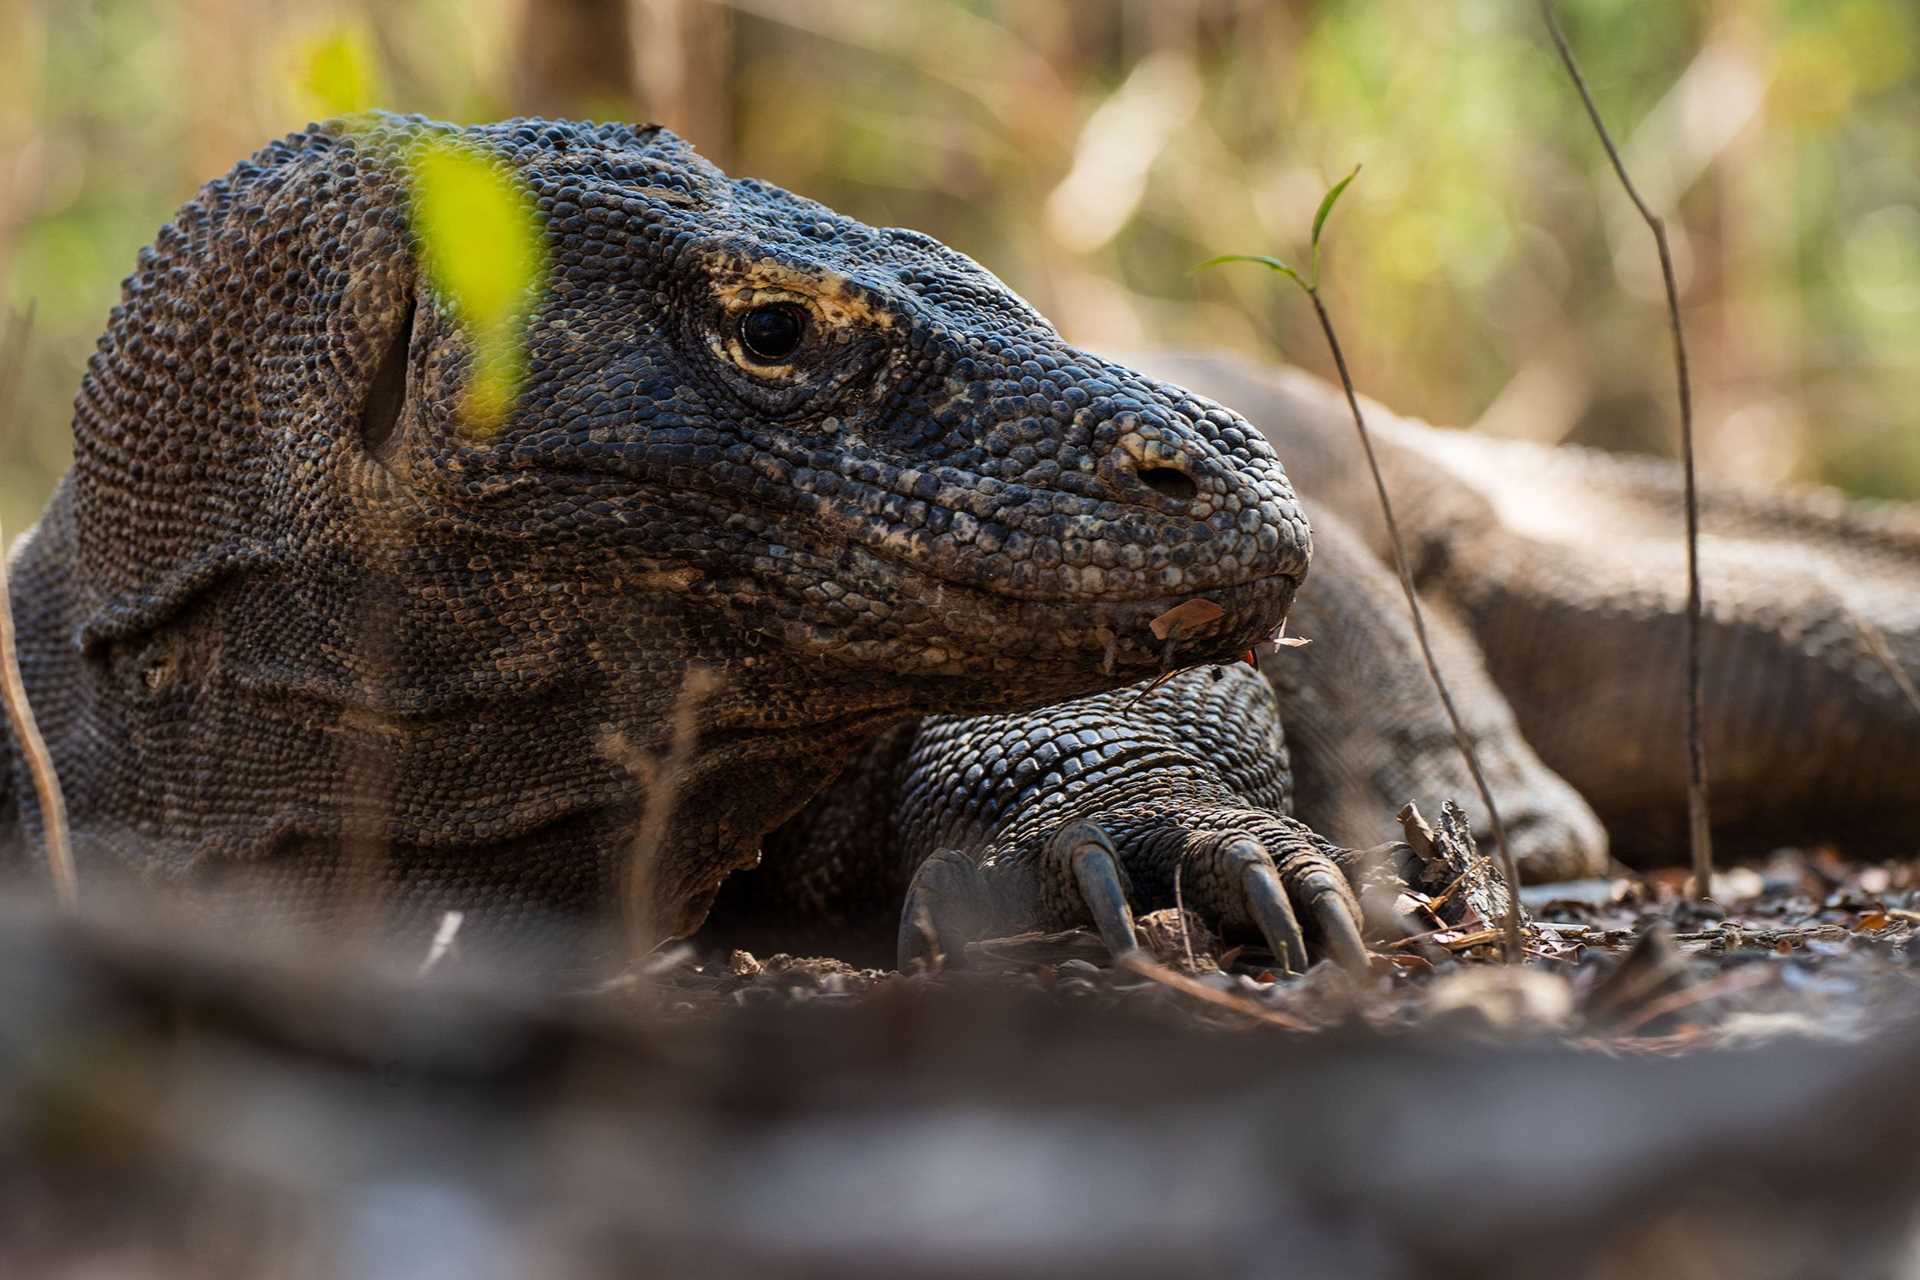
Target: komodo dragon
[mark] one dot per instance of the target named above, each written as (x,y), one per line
(297,631)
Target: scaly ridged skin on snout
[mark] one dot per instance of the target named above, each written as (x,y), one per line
(296,616)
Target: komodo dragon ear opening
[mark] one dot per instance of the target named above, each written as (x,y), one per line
(387,395)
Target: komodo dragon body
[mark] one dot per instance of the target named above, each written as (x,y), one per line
(298,629)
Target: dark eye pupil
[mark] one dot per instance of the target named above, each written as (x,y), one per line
(772,333)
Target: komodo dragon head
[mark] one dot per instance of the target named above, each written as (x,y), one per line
(843,468)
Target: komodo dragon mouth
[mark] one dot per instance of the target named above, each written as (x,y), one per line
(987,603)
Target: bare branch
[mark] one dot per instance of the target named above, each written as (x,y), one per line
(1876,645)
(1515,945)
(1697,812)
(13,689)
(662,777)
(46,783)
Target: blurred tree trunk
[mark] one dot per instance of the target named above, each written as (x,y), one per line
(573,58)
(660,60)
(683,53)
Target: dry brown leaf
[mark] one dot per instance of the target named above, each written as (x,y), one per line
(1188,616)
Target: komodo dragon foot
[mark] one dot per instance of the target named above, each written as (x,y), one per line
(1132,800)
(1249,874)
(1075,815)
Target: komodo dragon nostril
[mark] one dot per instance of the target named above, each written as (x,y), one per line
(1169,482)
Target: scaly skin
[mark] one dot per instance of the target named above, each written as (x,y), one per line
(1175,776)
(1564,569)
(297,628)
(300,630)
(1187,779)
(1553,578)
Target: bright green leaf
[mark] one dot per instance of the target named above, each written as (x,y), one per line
(1327,203)
(335,72)
(1320,220)
(485,253)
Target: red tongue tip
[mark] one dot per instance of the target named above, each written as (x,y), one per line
(1251,660)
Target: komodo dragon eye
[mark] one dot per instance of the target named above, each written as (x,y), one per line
(771,334)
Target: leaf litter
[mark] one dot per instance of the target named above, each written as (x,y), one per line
(1805,945)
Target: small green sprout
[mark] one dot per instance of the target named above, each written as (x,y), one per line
(1310,285)
(1311,281)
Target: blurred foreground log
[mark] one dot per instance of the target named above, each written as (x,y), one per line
(175,1109)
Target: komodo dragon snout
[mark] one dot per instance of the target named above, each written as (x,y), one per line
(847,442)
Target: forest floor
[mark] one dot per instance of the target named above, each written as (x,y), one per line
(1806,943)
(1666,1088)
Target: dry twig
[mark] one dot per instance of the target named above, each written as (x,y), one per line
(1726,984)
(1180,907)
(662,777)
(1701,837)
(13,689)
(1310,285)
(46,783)
(1141,965)
(1876,645)
(443,939)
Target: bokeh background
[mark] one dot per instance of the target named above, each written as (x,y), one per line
(1485,268)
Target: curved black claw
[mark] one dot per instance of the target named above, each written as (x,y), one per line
(1095,867)
(1245,873)
(1267,903)
(947,906)
(1270,880)
(1331,901)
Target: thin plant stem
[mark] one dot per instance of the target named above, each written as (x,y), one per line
(1515,945)
(13,689)
(1876,644)
(1309,284)
(1699,826)
(663,777)
(26,732)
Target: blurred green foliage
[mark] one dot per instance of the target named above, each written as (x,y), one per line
(1487,271)
(486,256)
(335,71)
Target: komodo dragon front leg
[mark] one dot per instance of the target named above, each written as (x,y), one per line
(1075,815)
(1270,793)
(1131,800)
(958,827)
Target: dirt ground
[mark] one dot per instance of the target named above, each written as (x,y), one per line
(1666,1088)
(1804,944)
